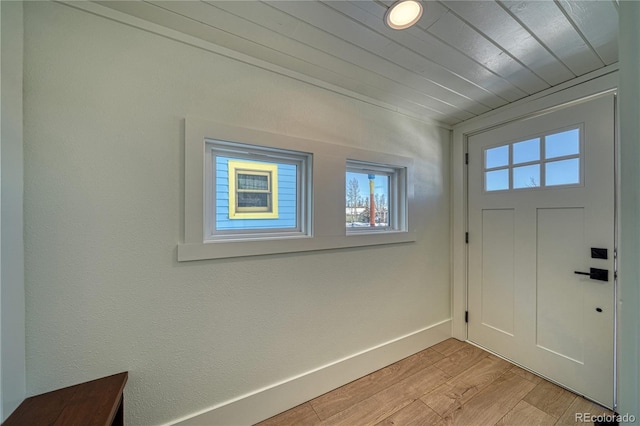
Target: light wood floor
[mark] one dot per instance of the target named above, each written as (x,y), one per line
(451,383)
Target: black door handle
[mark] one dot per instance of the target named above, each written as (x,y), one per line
(595,274)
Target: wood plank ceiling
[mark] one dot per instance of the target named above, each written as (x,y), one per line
(462,59)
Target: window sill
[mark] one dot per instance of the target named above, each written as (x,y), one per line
(229,249)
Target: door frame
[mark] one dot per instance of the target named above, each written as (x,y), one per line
(577,90)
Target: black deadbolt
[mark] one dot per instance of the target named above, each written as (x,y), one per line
(599,253)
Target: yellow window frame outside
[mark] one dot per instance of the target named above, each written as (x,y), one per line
(261,169)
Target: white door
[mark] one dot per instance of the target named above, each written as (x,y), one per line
(541,197)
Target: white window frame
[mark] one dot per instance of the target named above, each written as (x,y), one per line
(324,204)
(397,195)
(243,151)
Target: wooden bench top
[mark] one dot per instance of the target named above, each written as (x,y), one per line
(92,403)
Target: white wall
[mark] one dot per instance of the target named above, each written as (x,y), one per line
(12,306)
(629,101)
(104,103)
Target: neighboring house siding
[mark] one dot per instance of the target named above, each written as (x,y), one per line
(287,193)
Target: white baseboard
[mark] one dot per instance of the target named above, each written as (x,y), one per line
(264,403)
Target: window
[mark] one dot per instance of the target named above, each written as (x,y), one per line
(255,192)
(249,192)
(375,197)
(545,161)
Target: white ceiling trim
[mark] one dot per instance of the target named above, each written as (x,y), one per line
(514,110)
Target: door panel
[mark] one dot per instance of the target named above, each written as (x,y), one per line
(541,195)
(560,231)
(497,269)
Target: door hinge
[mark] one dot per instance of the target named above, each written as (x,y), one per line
(466,237)
(466,316)
(466,158)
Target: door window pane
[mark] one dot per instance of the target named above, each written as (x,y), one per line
(496,157)
(562,144)
(565,172)
(526,177)
(527,151)
(519,165)
(497,180)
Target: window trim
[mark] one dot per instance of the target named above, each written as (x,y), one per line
(323,205)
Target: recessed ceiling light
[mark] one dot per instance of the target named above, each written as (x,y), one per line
(403,14)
